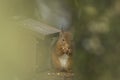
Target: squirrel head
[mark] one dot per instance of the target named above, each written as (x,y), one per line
(64,43)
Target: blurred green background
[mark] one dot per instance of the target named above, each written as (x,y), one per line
(95,24)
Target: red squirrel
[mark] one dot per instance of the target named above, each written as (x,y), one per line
(62,54)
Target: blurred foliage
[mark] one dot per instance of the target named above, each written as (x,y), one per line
(97,47)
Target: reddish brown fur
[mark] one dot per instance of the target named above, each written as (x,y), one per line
(63,46)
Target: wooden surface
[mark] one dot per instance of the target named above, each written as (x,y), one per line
(42,29)
(48,75)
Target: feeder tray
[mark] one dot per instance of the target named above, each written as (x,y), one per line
(44,30)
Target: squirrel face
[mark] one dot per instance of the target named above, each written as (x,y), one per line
(64,43)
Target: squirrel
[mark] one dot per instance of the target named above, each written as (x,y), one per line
(63,51)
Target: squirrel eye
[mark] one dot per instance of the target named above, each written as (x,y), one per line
(63,39)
